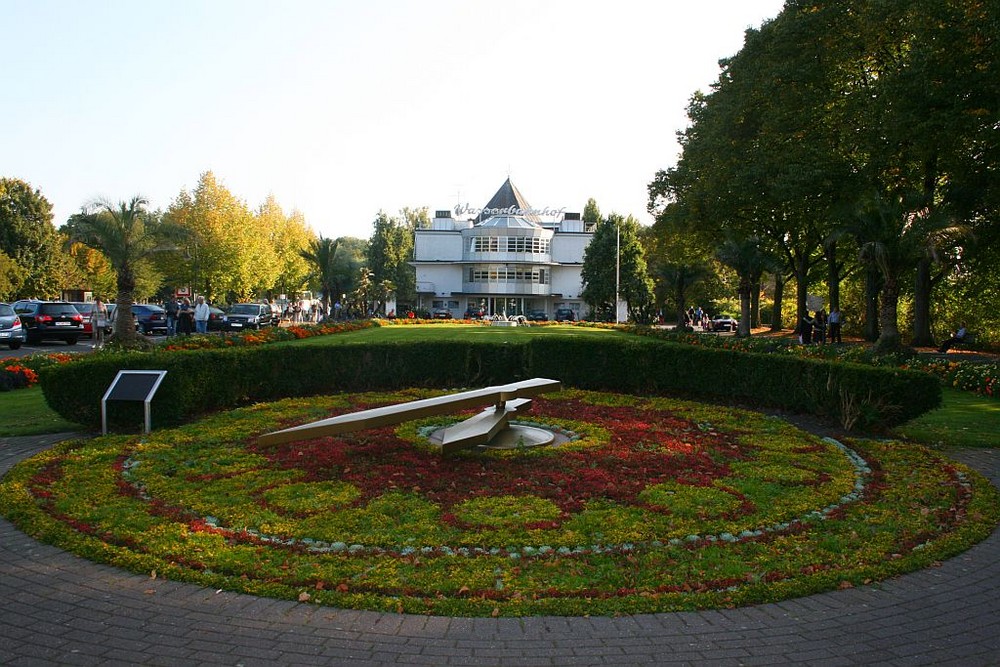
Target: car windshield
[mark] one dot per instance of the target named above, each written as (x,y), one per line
(5,310)
(245,309)
(59,309)
(84,308)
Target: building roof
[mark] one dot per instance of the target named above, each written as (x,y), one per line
(509,222)
(509,200)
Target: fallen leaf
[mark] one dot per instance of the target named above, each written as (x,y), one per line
(304,597)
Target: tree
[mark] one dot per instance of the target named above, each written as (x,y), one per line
(616,244)
(11,277)
(128,239)
(389,252)
(28,237)
(321,255)
(747,258)
(223,249)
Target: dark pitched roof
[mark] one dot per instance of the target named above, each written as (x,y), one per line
(507,197)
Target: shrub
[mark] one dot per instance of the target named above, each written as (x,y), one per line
(200,381)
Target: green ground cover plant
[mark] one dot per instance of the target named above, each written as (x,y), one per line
(25,412)
(963,420)
(652,504)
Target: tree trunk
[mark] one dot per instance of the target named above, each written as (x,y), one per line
(743,330)
(801,291)
(873,283)
(832,275)
(125,333)
(922,305)
(755,303)
(888,339)
(680,295)
(779,294)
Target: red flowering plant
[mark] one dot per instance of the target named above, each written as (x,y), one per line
(643,504)
(15,376)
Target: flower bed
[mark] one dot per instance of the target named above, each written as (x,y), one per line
(650,505)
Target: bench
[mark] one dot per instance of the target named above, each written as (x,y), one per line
(507,399)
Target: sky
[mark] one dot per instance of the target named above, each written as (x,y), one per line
(344,109)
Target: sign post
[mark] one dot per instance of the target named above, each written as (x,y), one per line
(132,386)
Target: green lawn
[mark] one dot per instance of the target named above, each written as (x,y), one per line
(963,420)
(25,412)
(417,333)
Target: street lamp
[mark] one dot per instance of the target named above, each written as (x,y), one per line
(618,262)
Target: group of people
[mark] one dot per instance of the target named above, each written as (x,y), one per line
(821,327)
(184,319)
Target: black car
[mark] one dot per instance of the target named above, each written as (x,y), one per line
(50,320)
(149,318)
(216,319)
(538,316)
(441,314)
(565,315)
(249,316)
(12,333)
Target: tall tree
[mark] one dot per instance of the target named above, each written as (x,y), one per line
(616,244)
(28,237)
(389,252)
(124,235)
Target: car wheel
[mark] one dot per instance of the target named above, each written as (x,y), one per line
(14,344)
(71,341)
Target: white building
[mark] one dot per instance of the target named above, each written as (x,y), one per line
(506,260)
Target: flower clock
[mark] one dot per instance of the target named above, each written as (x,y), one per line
(640,505)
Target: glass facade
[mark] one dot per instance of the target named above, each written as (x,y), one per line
(523,244)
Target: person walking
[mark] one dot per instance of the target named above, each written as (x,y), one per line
(201,315)
(98,322)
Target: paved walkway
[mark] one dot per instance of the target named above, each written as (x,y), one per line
(58,609)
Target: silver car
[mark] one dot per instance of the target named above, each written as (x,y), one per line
(11,332)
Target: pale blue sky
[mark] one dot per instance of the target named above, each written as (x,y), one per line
(341,109)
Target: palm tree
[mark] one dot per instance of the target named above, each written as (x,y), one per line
(894,236)
(127,237)
(748,259)
(322,254)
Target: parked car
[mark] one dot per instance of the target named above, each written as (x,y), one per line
(249,316)
(149,318)
(86,308)
(724,323)
(216,319)
(474,314)
(12,333)
(441,314)
(49,320)
(565,315)
(538,316)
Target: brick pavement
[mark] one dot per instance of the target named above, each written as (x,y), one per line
(56,608)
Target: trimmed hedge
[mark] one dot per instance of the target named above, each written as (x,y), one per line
(200,381)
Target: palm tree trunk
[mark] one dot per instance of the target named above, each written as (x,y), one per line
(888,340)
(922,335)
(872,288)
(779,294)
(125,333)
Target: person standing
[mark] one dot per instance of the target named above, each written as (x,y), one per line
(171,308)
(834,321)
(820,322)
(98,322)
(807,329)
(185,318)
(201,315)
